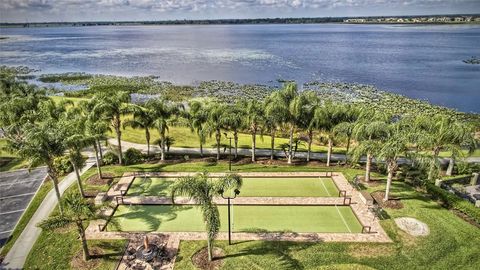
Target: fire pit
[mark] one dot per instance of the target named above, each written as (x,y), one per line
(146,252)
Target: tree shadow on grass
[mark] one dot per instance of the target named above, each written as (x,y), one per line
(152,216)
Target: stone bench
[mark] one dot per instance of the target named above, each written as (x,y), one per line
(366,198)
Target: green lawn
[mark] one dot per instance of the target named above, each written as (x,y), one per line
(182,218)
(8,160)
(252,187)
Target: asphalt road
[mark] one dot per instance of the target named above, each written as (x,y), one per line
(17,189)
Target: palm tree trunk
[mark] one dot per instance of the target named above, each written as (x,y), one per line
(310,139)
(209,247)
(368,167)
(119,142)
(201,149)
(290,146)
(147,137)
(389,181)
(81,233)
(272,145)
(329,152)
(254,144)
(451,164)
(99,170)
(431,171)
(100,151)
(349,138)
(217,138)
(53,175)
(235,140)
(79,180)
(162,146)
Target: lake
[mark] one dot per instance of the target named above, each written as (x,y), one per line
(418,61)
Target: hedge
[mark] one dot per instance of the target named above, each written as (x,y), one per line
(453,201)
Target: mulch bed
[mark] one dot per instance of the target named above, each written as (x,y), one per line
(200,259)
(393,202)
(95,259)
(372,183)
(97,181)
(466,218)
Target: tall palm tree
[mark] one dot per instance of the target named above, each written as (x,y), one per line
(392,149)
(254,119)
(43,141)
(95,128)
(197,115)
(345,128)
(369,132)
(440,132)
(113,105)
(203,190)
(327,117)
(214,122)
(143,118)
(307,118)
(289,105)
(77,211)
(233,119)
(163,111)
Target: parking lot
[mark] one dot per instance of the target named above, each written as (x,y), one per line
(17,188)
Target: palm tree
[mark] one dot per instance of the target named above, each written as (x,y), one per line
(392,149)
(202,189)
(95,128)
(233,120)
(162,112)
(77,211)
(369,131)
(307,119)
(214,122)
(142,119)
(326,118)
(289,105)
(43,141)
(440,132)
(345,128)
(112,105)
(254,118)
(197,115)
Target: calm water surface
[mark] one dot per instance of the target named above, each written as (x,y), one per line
(418,61)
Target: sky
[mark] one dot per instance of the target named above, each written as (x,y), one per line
(125,10)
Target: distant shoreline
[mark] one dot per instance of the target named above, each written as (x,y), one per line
(455,19)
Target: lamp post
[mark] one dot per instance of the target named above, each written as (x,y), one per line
(228,198)
(229,152)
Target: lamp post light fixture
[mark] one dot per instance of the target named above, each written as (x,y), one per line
(228,198)
(229,152)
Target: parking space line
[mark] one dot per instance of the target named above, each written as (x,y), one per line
(11,212)
(20,182)
(6,231)
(14,196)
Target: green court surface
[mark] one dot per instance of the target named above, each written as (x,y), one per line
(183,218)
(252,187)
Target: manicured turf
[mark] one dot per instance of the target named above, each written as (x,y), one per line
(184,218)
(252,187)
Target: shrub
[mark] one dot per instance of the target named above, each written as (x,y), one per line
(133,156)
(452,201)
(110,158)
(63,165)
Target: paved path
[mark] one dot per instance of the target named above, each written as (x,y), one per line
(15,259)
(17,189)
(248,152)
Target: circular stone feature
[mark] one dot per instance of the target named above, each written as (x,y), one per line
(412,226)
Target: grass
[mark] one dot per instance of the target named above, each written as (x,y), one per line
(168,218)
(10,161)
(451,244)
(252,187)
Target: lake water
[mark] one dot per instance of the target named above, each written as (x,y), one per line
(418,61)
